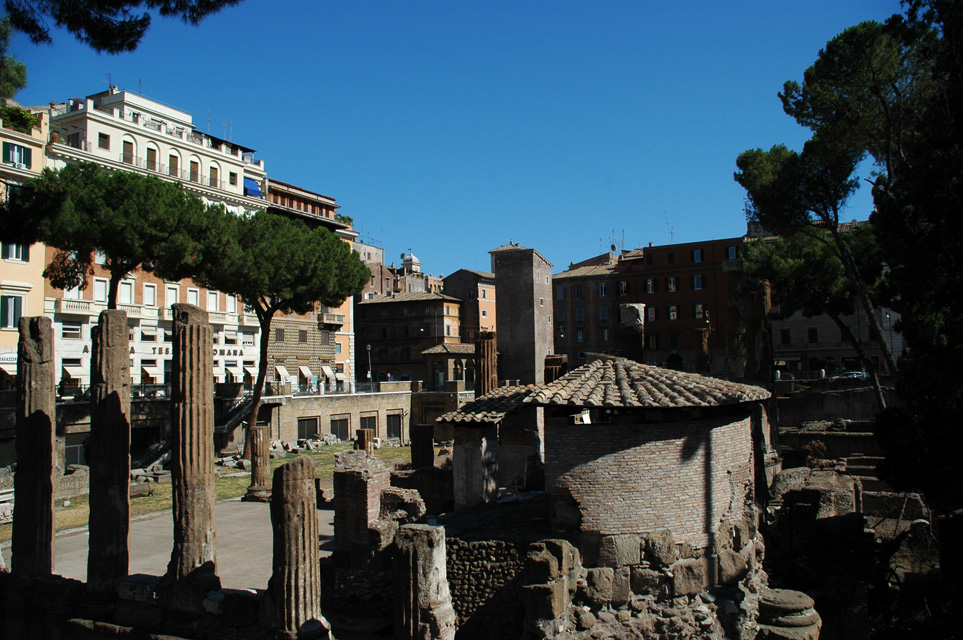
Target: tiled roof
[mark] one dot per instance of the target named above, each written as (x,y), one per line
(449,347)
(491,407)
(413,296)
(595,270)
(634,253)
(511,246)
(618,382)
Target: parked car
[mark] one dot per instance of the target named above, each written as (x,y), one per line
(852,375)
(784,375)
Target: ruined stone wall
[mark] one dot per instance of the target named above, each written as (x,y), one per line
(434,485)
(628,478)
(353,406)
(484,577)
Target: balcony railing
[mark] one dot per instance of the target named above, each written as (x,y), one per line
(79,307)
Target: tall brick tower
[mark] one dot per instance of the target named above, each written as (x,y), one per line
(523,293)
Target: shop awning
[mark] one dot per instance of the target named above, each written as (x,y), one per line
(219,374)
(328,372)
(251,371)
(282,372)
(237,372)
(75,372)
(341,377)
(9,367)
(252,188)
(305,371)
(154,372)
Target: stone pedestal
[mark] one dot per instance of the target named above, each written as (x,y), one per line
(295,584)
(365,441)
(32,546)
(260,489)
(486,363)
(358,484)
(109,450)
(475,465)
(191,572)
(423,608)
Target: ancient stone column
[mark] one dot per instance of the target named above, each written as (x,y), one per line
(295,584)
(260,489)
(365,441)
(32,547)
(423,608)
(192,568)
(109,451)
(486,357)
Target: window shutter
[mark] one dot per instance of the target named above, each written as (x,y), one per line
(6,152)
(26,253)
(28,157)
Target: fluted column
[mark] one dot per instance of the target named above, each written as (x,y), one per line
(423,609)
(192,565)
(260,489)
(295,584)
(109,451)
(37,473)
(486,357)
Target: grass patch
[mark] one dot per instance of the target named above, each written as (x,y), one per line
(225,487)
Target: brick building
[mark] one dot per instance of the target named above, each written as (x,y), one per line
(476,290)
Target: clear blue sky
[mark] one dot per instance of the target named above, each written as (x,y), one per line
(453,127)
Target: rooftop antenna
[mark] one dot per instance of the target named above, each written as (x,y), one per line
(138,87)
(208,120)
(669,228)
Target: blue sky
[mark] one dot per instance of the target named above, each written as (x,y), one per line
(454,127)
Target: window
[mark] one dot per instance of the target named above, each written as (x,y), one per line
(670,257)
(230,304)
(17,155)
(484,313)
(673,312)
(232,178)
(173,165)
(394,425)
(13,251)
(100,290)
(697,255)
(603,289)
(673,340)
(560,315)
(302,335)
(579,290)
(212,300)
(279,335)
(623,287)
(100,257)
(171,294)
(11,308)
(151,159)
(731,253)
(652,341)
(307,428)
(670,284)
(340,425)
(579,314)
(71,330)
(650,314)
(230,338)
(370,422)
(603,313)
(337,348)
(697,283)
(784,336)
(650,285)
(605,334)
(194,297)
(813,335)
(150,295)
(213,178)
(103,141)
(127,156)
(541,302)
(125,293)
(559,292)
(484,293)
(195,171)
(580,335)
(72,294)
(698,310)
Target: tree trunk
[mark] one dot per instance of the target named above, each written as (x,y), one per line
(112,290)
(867,363)
(264,319)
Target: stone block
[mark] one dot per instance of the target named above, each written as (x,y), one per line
(598,588)
(688,577)
(621,586)
(732,565)
(540,567)
(660,546)
(619,551)
(646,581)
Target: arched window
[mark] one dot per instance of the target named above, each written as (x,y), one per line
(128,154)
(174,164)
(152,157)
(214,175)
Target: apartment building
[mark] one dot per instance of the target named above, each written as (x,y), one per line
(476,290)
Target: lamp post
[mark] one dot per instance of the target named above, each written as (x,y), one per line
(369,361)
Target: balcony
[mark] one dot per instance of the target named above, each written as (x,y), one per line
(332,321)
(78,307)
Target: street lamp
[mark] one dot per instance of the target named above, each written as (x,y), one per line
(369,362)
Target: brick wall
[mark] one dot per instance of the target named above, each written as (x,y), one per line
(484,577)
(630,478)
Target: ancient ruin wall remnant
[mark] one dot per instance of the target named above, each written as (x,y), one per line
(486,360)
(109,447)
(33,534)
(192,473)
(295,584)
(423,608)
(358,484)
(260,489)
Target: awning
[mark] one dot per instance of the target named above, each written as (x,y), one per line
(219,374)
(75,372)
(251,371)
(9,367)
(251,188)
(328,373)
(237,372)
(154,372)
(282,372)
(305,371)
(341,377)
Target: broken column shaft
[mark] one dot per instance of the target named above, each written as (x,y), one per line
(109,449)
(423,609)
(38,473)
(486,359)
(295,584)
(192,449)
(260,489)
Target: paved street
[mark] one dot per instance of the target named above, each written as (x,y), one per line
(243,545)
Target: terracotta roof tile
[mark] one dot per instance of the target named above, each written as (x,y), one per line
(491,407)
(450,347)
(413,296)
(610,382)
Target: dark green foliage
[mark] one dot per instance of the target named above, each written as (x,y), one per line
(108,26)
(18,119)
(13,73)
(133,220)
